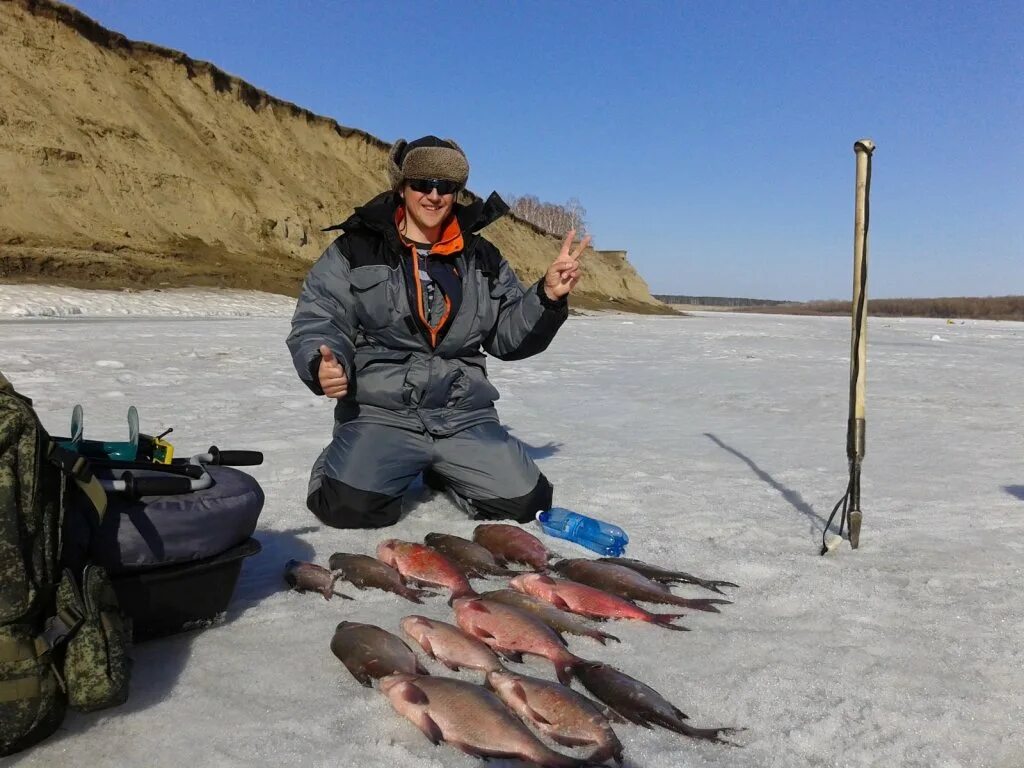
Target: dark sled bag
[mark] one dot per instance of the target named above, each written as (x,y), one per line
(174,537)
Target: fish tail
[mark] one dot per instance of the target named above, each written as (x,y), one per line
(709,734)
(602,637)
(665,620)
(706,604)
(466,591)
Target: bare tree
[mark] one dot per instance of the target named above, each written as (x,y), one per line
(555,218)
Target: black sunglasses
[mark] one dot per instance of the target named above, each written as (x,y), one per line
(443,186)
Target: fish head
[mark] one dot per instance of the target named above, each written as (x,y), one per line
(468,607)
(343,625)
(529,583)
(386,551)
(500,681)
(416,626)
(389,682)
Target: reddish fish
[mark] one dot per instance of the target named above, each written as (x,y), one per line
(629,584)
(512,632)
(424,565)
(510,543)
(587,601)
(470,718)
(450,645)
(565,716)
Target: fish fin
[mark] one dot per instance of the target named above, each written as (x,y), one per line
(604,637)
(420,670)
(342,595)
(519,693)
(514,656)
(478,607)
(559,602)
(482,633)
(561,638)
(680,714)
(665,620)
(430,729)
(564,670)
(412,694)
(546,580)
(364,679)
(428,648)
(451,665)
(569,741)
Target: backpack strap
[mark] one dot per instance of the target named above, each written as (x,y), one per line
(19,650)
(77,468)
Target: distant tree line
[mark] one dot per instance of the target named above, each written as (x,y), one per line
(716,301)
(554,218)
(949,308)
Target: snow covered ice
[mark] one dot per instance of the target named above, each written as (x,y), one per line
(716,441)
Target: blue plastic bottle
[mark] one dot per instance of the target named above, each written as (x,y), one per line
(596,535)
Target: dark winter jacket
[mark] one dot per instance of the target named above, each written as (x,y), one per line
(359,301)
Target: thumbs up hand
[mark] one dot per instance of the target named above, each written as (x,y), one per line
(331,374)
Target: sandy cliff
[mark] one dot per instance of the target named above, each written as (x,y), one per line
(127,164)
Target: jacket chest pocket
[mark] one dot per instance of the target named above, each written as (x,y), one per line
(377,292)
(487,304)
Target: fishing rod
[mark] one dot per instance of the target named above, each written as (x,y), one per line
(855,424)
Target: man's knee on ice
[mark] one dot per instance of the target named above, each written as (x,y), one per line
(522,509)
(342,506)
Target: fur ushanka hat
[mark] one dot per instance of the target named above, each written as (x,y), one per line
(427,158)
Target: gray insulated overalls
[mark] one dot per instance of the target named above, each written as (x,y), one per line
(419,399)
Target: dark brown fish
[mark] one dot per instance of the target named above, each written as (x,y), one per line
(370,653)
(365,572)
(625,582)
(510,543)
(469,718)
(665,576)
(474,559)
(560,713)
(305,577)
(640,703)
(559,620)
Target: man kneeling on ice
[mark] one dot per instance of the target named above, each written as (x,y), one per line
(393,322)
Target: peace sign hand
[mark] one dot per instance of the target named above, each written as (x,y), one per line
(564,272)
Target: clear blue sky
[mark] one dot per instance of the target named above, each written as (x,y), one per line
(713,140)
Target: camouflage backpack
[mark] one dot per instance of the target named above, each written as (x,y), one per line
(62,638)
